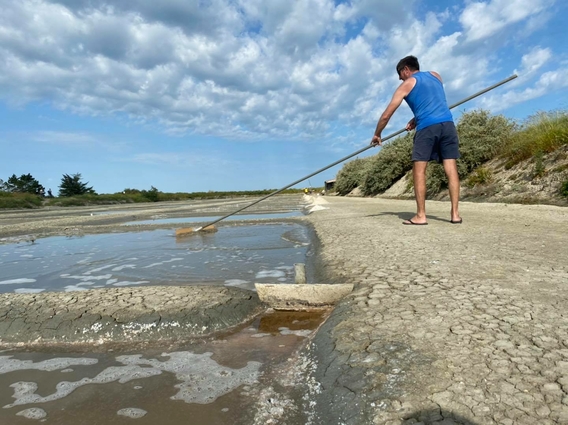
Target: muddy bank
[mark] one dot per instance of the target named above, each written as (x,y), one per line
(122,314)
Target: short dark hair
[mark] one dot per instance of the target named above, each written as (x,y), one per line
(410,61)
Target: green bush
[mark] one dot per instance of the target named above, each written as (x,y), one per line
(564,189)
(543,132)
(351,175)
(19,200)
(482,136)
(390,164)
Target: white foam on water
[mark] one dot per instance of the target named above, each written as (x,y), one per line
(16,281)
(203,380)
(98,269)
(270,273)
(162,262)
(28,290)
(300,332)
(126,283)
(27,256)
(132,412)
(87,278)
(111,281)
(33,413)
(9,364)
(235,282)
(126,266)
(73,288)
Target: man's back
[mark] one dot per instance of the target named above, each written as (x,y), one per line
(428,101)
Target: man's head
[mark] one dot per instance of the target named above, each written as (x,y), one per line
(407,66)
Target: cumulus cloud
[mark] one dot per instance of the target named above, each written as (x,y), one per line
(243,69)
(484,19)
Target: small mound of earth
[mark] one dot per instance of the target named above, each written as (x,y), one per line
(123,314)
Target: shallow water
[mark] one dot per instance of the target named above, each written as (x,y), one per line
(235,256)
(203,219)
(210,382)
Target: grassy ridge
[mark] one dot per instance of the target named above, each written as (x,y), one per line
(482,137)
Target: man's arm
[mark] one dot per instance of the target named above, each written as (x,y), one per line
(397,98)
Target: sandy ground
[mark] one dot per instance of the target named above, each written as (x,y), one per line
(447,323)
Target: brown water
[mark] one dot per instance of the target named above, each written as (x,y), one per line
(210,381)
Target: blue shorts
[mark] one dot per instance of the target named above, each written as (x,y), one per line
(436,143)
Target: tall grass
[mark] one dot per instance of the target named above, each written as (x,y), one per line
(543,132)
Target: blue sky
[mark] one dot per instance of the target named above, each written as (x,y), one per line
(247,94)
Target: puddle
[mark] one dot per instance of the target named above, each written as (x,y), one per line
(233,256)
(213,218)
(208,382)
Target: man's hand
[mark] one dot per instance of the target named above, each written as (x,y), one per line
(376,141)
(411,125)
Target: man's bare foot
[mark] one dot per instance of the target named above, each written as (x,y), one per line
(456,220)
(416,221)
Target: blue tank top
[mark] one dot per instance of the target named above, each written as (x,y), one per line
(427,101)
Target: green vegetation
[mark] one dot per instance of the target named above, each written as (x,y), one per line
(73,186)
(26,183)
(19,200)
(543,132)
(351,175)
(483,137)
(481,176)
(564,189)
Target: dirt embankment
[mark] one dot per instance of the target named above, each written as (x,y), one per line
(534,181)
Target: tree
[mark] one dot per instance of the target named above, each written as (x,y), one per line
(26,183)
(72,185)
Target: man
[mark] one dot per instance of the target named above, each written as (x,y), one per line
(436,138)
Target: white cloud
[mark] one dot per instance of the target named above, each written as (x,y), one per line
(484,19)
(548,82)
(243,69)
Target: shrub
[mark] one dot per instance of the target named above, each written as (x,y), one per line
(19,200)
(351,175)
(543,132)
(564,189)
(390,164)
(480,176)
(482,137)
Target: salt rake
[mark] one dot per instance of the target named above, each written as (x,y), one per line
(210,226)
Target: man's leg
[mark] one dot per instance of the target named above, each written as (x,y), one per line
(451,169)
(419,175)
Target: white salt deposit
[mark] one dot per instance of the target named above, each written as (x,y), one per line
(16,281)
(162,262)
(202,379)
(235,282)
(125,266)
(300,332)
(33,413)
(270,273)
(127,283)
(132,412)
(98,269)
(9,364)
(28,290)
